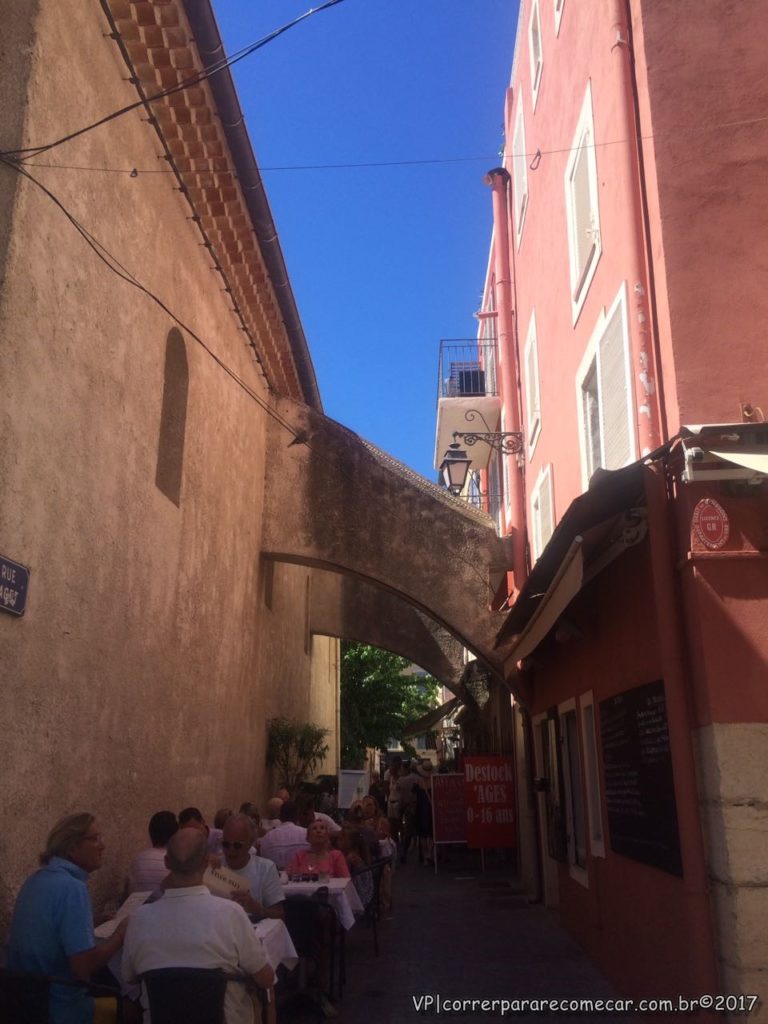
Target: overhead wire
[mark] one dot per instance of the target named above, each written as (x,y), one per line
(187,83)
(364,164)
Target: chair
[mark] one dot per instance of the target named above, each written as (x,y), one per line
(372,906)
(24,995)
(186,995)
(314,929)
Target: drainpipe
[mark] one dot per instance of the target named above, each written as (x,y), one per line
(498,179)
(643,332)
(680,722)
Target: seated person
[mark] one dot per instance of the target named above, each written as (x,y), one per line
(52,926)
(265,898)
(191,817)
(214,834)
(280,844)
(306,814)
(387,845)
(148,868)
(272,817)
(355,849)
(189,927)
(356,819)
(319,857)
(387,849)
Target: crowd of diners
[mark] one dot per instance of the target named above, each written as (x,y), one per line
(182,924)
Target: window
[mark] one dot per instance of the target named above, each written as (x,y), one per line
(542,511)
(559,4)
(532,389)
(495,497)
(535,51)
(173,418)
(519,172)
(594,803)
(581,206)
(604,395)
(575,820)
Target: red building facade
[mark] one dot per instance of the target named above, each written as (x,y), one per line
(626,299)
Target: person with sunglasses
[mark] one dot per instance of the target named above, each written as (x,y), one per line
(52,926)
(264,897)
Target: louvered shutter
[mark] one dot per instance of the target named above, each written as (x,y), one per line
(532,391)
(519,169)
(614,394)
(583,219)
(546,508)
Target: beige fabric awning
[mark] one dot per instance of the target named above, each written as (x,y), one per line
(431,719)
(564,587)
(751,458)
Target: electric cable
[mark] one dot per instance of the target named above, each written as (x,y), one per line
(364,164)
(188,83)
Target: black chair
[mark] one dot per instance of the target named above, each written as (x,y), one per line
(314,928)
(24,995)
(372,906)
(186,995)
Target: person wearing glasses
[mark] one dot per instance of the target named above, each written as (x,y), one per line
(265,896)
(52,926)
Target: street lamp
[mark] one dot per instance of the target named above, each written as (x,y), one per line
(454,468)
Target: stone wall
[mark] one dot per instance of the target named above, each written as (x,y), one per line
(147,663)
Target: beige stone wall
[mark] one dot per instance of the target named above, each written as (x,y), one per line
(733,766)
(147,663)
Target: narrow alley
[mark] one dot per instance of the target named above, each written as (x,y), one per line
(461,934)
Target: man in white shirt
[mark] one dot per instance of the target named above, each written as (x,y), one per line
(148,868)
(265,896)
(189,927)
(272,817)
(288,838)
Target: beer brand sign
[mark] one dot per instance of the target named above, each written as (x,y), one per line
(711,524)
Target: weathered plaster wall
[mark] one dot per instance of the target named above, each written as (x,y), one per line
(703,91)
(146,665)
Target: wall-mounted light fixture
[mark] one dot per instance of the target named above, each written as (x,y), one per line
(508,442)
(454,468)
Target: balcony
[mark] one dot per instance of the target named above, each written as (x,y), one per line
(467,395)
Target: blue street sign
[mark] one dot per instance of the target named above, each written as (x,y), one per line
(14,580)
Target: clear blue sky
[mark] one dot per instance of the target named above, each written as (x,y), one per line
(384,261)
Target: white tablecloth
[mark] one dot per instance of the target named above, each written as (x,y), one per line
(342,895)
(277,943)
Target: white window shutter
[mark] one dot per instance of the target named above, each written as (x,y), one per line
(584,222)
(520,170)
(614,394)
(546,509)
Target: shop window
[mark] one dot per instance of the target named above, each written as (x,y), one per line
(573,792)
(592,776)
(581,205)
(604,396)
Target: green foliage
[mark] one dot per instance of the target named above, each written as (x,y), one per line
(295,749)
(377,701)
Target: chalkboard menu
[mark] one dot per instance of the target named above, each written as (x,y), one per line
(642,815)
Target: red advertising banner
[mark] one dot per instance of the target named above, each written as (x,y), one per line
(449,818)
(489,794)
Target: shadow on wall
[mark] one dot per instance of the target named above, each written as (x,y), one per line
(173,419)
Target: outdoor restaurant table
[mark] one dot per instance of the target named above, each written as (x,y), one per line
(342,896)
(277,943)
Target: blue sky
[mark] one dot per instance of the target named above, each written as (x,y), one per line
(384,261)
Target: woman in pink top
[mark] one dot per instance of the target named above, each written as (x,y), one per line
(319,857)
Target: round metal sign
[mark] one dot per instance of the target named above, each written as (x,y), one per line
(711,524)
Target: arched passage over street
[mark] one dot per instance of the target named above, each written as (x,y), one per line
(354,609)
(337,503)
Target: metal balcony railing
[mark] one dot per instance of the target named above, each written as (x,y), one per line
(467,368)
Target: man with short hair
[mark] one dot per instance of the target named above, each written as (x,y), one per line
(280,844)
(306,814)
(192,817)
(265,896)
(189,927)
(148,869)
(52,926)
(272,817)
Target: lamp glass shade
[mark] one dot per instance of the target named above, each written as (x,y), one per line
(454,469)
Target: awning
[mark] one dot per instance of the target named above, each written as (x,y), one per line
(565,585)
(750,458)
(553,577)
(428,722)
